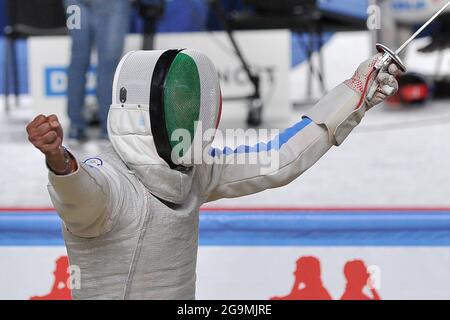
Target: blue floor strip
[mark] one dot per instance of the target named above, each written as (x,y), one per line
(298,228)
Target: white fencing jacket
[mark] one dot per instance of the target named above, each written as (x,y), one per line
(130,244)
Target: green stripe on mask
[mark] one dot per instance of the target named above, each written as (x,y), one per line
(182,96)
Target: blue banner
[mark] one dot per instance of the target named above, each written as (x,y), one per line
(269,228)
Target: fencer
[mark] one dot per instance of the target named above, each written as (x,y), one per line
(131,214)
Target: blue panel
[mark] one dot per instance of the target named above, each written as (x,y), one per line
(184,15)
(268,228)
(179,16)
(356,8)
(22,66)
(327,229)
(35,229)
(299,43)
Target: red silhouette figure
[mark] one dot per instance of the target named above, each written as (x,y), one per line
(307,275)
(357,279)
(60,290)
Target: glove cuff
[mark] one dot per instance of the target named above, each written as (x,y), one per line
(337,112)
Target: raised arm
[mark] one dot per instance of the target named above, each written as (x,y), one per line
(295,150)
(79,193)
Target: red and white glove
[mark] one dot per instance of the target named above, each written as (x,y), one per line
(364,77)
(343,108)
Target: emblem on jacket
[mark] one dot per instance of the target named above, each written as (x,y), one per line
(94,162)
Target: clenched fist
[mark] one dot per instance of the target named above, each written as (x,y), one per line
(46,134)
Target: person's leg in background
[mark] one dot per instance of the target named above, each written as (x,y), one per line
(111,25)
(79,64)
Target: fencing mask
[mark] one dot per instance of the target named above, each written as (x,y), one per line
(163,103)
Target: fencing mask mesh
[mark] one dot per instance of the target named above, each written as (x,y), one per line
(156,93)
(182,96)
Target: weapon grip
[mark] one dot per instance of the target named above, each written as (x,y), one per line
(375,84)
(382,65)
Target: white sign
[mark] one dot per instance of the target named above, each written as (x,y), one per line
(49,59)
(259,273)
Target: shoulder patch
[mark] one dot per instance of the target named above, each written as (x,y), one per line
(94,162)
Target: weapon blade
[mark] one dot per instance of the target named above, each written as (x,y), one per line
(407,42)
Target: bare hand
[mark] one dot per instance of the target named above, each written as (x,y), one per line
(46,134)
